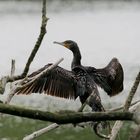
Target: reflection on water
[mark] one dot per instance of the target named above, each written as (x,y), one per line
(102,29)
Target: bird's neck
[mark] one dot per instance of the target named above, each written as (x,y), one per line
(76,57)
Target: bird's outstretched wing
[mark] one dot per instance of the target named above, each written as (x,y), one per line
(58,82)
(109,78)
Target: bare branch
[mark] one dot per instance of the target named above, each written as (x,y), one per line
(47,70)
(41,131)
(122,106)
(136,131)
(11,94)
(86,102)
(39,40)
(134,108)
(135,134)
(55,125)
(3,82)
(36,47)
(67,116)
(132,93)
(118,124)
(19,84)
(12,69)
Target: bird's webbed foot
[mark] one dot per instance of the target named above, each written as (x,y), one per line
(98,127)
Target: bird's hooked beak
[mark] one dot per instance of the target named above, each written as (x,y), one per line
(61,43)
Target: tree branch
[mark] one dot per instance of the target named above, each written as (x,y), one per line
(34,78)
(118,124)
(11,93)
(66,117)
(52,126)
(132,93)
(41,131)
(122,106)
(4,80)
(35,49)
(39,40)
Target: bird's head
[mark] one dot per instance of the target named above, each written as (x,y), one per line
(68,44)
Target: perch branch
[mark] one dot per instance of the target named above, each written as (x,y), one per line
(54,125)
(68,116)
(118,124)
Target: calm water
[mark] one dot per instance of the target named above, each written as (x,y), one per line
(102,30)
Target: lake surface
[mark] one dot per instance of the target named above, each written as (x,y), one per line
(103,30)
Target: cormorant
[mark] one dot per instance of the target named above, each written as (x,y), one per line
(80,81)
(110,78)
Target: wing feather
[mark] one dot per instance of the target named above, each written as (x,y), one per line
(58,82)
(109,78)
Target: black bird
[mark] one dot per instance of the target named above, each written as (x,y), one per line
(80,81)
(110,78)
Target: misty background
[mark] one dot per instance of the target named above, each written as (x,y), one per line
(103,29)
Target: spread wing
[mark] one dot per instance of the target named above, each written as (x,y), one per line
(58,82)
(109,78)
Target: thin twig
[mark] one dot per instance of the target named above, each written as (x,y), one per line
(118,124)
(135,135)
(41,131)
(132,108)
(36,46)
(86,102)
(20,86)
(12,71)
(47,70)
(122,106)
(132,93)
(11,93)
(3,82)
(39,40)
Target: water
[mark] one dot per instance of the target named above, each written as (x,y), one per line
(103,30)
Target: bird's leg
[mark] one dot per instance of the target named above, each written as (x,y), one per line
(94,101)
(84,101)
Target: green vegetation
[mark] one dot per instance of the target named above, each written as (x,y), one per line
(15,128)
